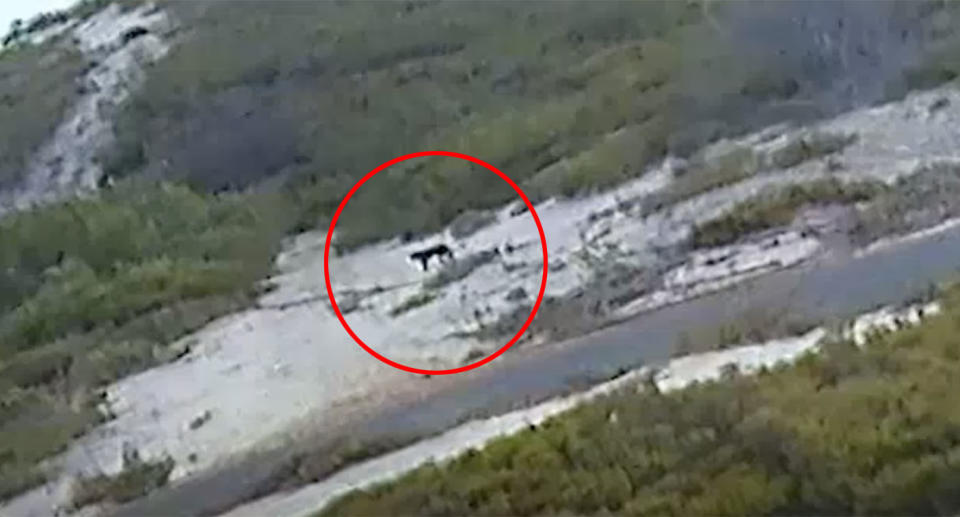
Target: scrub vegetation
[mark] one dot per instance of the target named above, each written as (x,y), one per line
(264,114)
(565,97)
(777,207)
(850,430)
(37,86)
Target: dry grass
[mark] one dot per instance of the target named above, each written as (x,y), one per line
(413,302)
(37,87)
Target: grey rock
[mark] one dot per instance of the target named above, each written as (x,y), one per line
(516,294)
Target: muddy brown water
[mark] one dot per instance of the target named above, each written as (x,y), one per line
(836,285)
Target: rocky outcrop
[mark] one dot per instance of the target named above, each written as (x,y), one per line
(67,164)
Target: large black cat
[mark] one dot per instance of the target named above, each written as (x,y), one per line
(440,250)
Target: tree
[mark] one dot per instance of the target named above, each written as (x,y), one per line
(16,30)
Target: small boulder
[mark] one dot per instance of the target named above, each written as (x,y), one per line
(516,294)
(519,209)
(938,105)
(200,420)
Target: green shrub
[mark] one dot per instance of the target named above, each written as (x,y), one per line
(132,250)
(813,144)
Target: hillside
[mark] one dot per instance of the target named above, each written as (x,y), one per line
(163,194)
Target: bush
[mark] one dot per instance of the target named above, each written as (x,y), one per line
(137,480)
(35,424)
(615,158)
(918,201)
(37,87)
(728,166)
(777,207)
(804,147)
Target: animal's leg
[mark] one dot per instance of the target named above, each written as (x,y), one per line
(423,262)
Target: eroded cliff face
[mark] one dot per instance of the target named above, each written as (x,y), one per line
(119,45)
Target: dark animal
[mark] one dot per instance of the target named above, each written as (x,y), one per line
(442,251)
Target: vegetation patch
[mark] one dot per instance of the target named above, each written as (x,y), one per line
(415,301)
(35,424)
(566,97)
(137,479)
(313,465)
(703,174)
(807,146)
(777,207)
(614,284)
(129,272)
(918,201)
(849,430)
(614,158)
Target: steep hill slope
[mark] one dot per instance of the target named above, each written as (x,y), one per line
(230,126)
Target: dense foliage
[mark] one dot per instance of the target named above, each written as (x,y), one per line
(870,431)
(94,289)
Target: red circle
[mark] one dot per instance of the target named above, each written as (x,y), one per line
(336,308)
